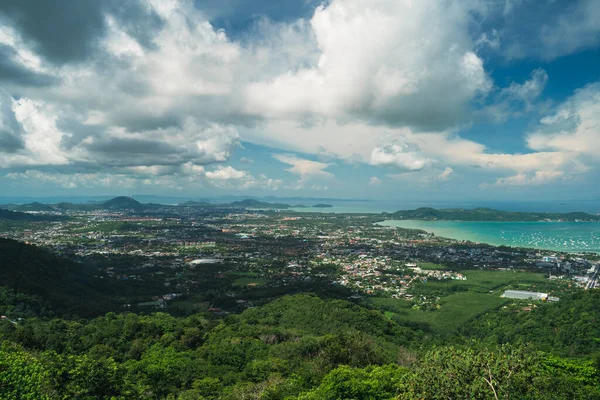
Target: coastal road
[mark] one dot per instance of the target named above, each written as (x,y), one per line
(594,279)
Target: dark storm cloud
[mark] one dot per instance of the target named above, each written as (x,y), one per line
(68,30)
(13,73)
(139,122)
(131,146)
(62,30)
(130,152)
(138,21)
(10,129)
(10,143)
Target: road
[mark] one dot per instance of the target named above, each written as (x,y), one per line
(593,282)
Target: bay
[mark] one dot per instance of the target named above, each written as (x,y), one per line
(558,236)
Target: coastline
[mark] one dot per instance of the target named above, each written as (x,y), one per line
(571,237)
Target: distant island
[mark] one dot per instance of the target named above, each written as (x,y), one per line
(491,215)
(23,211)
(322,205)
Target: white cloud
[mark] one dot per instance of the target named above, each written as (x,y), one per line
(188,176)
(369,81)
(230,178)
(537,178)
(399,155)
(445,174)
(305,169)
(381,59)
(226,173)
(40,135)
(573,127)
(246,160)
(375,181)
(530,89)
(518,98)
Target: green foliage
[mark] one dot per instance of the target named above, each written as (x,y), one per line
(22,376)
(371,383)
(567,328)
(295,347)
(501,372)
(65,285)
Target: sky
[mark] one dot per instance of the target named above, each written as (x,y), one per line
(375,99)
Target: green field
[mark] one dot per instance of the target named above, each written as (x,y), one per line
(460,301)
(454,311)
(432,266)
(481,281)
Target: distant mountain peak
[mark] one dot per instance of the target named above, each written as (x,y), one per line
(122,202)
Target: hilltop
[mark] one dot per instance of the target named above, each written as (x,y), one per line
(122,202)
(192,203)
(488,214)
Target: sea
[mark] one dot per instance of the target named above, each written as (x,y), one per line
(557,236)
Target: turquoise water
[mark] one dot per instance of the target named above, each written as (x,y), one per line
(560,236)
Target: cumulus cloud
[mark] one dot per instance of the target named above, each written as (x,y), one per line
(573,127)
(154,91)
(125,92)
(185,177)
(230,178)
(399,155)
(445,174)
(307,170)
(375,181)
(226,173)
(518,98)
(382,60)
(537,178)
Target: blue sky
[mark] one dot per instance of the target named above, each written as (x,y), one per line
(382,99)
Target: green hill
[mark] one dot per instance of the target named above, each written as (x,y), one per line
(192,203)
(65,286)
(121,203)
(488,214)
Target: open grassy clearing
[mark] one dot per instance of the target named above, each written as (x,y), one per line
(433,266)
(460,301)
(454,310)
(245,281)
(480,281)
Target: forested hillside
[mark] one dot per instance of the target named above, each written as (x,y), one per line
(41,283)
(295,347)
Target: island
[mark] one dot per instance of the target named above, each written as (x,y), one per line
(488,214)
